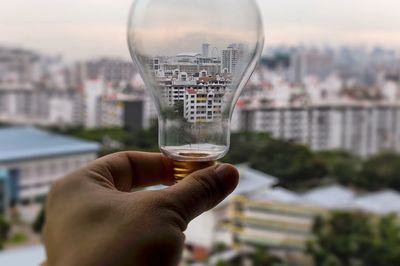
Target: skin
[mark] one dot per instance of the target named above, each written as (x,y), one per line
(94,218)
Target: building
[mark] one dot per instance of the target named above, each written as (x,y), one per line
(4,191)
(206,50)
(203,105)
(123,110)
(230,58)
(112,70)
(362,129)
(20,68)
(33,255)
(282,220)
(322,114)
(39,158)
(212,227)
(274,220)
(41,106)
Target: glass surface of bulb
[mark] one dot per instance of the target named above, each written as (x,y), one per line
(195,57)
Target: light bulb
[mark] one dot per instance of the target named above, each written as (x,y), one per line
(195,57)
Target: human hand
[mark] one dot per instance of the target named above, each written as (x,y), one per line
(93,218)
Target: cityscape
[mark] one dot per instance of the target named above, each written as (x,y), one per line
(336,108)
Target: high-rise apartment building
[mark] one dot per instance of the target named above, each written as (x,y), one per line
(41,106)
(361,129)
(109,69)
(203,105)
(230,58)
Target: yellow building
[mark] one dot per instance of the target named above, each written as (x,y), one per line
(282,221)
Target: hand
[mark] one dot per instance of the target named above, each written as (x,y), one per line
(93,218)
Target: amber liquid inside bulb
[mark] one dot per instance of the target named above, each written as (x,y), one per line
(182,169)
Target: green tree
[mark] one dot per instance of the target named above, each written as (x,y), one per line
(341,165)
(350,239)
(262,257)
(244,145)
(4,231)
(292,163)
(222,263)
(381,171)
(145,139)
(385,248)
(38,224)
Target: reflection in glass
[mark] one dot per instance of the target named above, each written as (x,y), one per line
(195,57)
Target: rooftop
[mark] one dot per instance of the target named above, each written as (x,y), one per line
(384,202)
(22,143)
(33,255)
(331,197)
(278,195)
(188,54)
(3,173)
(251,181)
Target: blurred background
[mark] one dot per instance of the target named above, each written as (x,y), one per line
(316,132)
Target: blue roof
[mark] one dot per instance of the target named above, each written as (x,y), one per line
(3,173)
(21,143)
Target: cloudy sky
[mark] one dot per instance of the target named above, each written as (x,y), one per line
(83,29)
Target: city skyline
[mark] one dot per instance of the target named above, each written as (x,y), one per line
(85,30)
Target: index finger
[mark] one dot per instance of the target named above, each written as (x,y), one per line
(127,170)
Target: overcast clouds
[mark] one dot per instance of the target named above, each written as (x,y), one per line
(82,29)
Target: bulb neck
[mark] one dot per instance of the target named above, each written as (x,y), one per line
(183,169)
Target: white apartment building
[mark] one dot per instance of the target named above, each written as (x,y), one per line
(38,158)
(363,129)
(230,58)
(203,105)
(173,88)
(28,105)
(320,115)
(112,70)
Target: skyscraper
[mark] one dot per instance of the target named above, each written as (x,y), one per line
(230,58)
(206,50)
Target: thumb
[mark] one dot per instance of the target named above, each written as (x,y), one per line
(203,190)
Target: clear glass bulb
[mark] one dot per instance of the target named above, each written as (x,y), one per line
(195,57)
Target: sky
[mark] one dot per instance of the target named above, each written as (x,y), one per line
(84,29)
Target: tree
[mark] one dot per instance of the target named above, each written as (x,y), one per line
(290,162)
(350,239)
(341,165)
(244,145)
(38,224)
(381,171)
(4,231)
(385,249)
(262,257)
(222,263)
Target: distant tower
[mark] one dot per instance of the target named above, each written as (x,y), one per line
(230,58)
(206,50)
(215,53)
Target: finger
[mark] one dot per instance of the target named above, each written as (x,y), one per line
(126,170)
(203,190)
